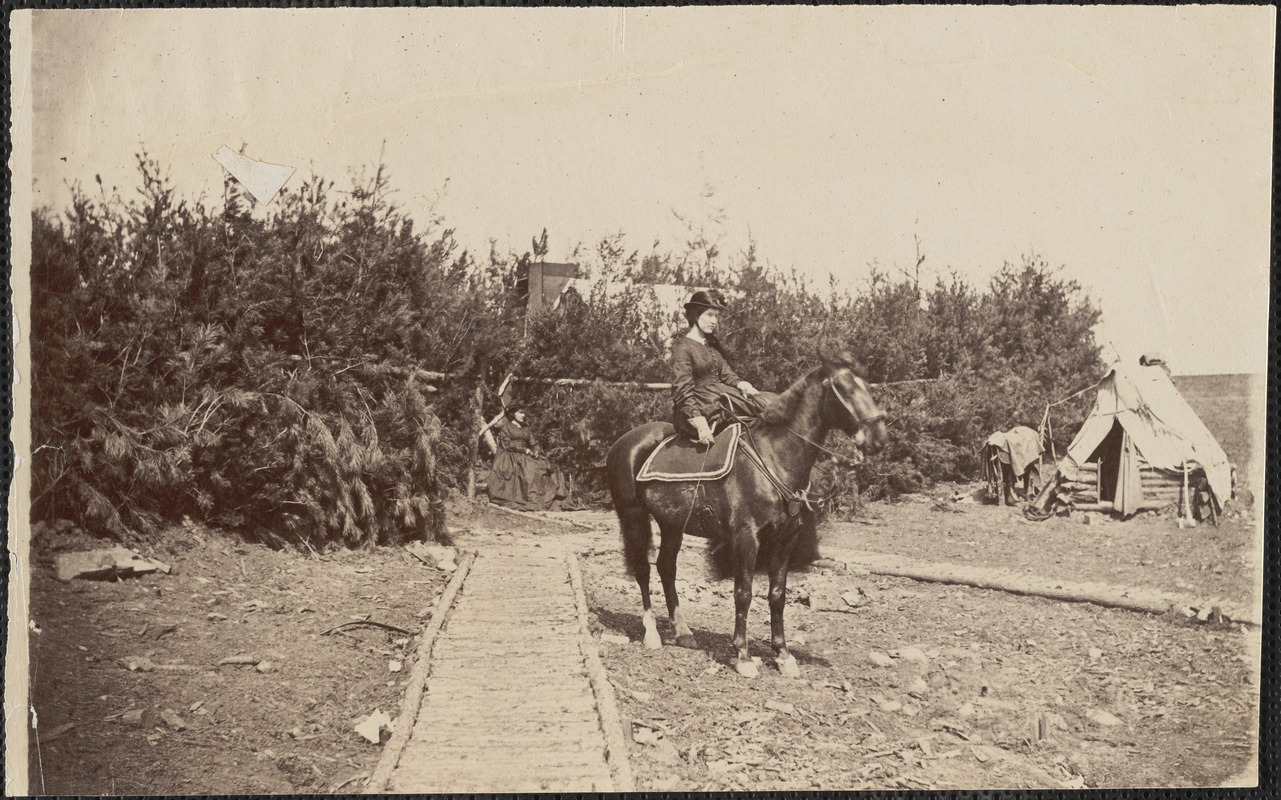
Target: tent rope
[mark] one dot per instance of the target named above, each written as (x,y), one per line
(1045,428)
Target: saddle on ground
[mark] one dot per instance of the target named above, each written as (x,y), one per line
(678,459)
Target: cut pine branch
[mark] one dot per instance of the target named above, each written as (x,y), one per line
(366,623)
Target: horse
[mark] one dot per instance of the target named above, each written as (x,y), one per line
(757,509)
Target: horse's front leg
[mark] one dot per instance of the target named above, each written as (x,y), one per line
(778,601)
(744,566)
(1008,479)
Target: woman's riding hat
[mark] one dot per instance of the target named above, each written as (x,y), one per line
(704,300)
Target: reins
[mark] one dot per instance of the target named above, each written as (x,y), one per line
(697,484)
(838,456)
(803,496)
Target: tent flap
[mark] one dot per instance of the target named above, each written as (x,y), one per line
(1129,483)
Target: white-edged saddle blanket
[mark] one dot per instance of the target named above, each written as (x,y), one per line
(678,459)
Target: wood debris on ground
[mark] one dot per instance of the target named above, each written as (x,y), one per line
(118,561)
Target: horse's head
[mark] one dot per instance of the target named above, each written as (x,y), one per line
(848,404)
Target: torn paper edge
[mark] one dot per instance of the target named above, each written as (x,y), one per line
(17,650)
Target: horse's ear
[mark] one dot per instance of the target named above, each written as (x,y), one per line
(826,355)
(859,368)
(845,358)
(838,357)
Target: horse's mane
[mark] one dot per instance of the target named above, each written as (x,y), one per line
(784,409)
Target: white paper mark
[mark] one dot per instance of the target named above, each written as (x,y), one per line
(263,180)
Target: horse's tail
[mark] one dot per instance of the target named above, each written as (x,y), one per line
(637,535)
(621,465)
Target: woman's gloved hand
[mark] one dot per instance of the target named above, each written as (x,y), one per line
(747,389)
(704,431)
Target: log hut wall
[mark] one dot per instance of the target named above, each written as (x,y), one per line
(1161,489)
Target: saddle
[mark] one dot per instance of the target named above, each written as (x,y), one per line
(678,459)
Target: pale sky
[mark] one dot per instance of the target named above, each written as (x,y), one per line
(1132,145)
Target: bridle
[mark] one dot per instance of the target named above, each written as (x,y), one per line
(829,383)
(803,496)
(863,422)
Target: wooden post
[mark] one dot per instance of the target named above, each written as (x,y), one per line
(473,448)
(487,434)
(1185,500)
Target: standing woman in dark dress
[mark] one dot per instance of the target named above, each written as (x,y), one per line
(703,376)
(520,479)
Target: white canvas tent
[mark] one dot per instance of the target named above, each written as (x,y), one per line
(1141,426)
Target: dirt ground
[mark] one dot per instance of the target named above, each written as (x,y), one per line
(153,644)
(973,688)
(934,686)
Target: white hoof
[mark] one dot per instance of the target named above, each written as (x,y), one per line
(652,640)
(745,668)
(787,667)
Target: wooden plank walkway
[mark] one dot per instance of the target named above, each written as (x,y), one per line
(509,703)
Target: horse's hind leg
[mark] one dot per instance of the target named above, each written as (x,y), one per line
(636,537)
(667,552)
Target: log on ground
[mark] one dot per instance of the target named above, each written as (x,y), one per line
(1151,601)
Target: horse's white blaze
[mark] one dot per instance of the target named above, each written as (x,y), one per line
(652,640)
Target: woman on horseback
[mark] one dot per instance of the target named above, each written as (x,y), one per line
(704,379)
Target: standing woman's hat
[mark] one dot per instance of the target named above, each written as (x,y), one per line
(513,409)
(705,300)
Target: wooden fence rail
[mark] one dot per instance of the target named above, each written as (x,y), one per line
(484,428)
(659,386)
(655,386)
